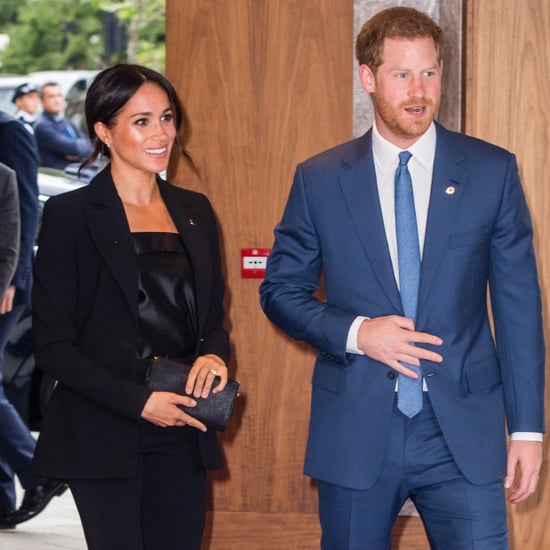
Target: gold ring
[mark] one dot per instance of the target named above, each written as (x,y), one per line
(214,372)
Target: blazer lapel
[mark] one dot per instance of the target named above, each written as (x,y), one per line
(360,191)
(450,177)
(188,221)
(111,233)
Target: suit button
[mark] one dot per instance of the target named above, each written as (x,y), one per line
(391,375)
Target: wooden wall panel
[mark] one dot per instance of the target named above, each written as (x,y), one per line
(507,102)
(266,83)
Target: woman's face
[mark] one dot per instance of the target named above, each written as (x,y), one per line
(143,132)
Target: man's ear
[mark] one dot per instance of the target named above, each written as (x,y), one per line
(367,79)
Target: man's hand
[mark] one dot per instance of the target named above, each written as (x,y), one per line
(392,340)
(6,303)
(525,458)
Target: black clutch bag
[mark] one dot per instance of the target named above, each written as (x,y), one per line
(213,411)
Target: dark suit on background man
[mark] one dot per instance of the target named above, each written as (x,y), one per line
(59,141)
(9,226)
(18,151)
(450,458)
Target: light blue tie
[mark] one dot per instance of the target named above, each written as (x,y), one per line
(409,396)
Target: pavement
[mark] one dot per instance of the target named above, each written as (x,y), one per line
(57,527)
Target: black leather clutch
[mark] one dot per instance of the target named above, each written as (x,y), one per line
(213,411)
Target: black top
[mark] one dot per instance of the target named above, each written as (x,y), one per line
(168,323)
(166,303)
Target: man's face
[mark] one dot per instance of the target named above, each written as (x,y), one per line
(30,103)
(405,90)
(52,100)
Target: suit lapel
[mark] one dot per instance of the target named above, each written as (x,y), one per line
(111,234)
(450,177)
(360,191)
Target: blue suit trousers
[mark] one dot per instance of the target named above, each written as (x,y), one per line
(457,515)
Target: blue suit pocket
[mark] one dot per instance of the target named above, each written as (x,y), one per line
(328,376)
(482,374)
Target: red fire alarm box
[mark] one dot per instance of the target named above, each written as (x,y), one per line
(253,262)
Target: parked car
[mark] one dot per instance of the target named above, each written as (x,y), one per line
(26,387)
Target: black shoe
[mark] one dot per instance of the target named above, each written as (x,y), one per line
(34,501)
(4,523)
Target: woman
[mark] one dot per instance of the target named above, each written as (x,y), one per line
(129,268)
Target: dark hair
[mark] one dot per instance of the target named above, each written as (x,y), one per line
(398,22)
(109,92)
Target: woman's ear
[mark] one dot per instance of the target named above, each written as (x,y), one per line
(103,133)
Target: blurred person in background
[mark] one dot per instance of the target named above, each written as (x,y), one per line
(18,151)
(59,141)
(27,103)
(9,226)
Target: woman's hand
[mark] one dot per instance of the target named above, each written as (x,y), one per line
(161,409)
(201,377)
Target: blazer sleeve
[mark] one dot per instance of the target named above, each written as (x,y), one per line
(517,309)
(18,151)
(64,261)
(9,227)
(292,277)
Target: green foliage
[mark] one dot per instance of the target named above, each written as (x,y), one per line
(69,34)
(8,12)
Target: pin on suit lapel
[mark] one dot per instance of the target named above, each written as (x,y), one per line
(450,180)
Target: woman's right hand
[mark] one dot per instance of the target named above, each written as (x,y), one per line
(161,409)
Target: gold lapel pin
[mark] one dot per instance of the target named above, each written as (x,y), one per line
(450,190)
(192,221)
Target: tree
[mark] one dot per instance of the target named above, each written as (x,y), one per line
(70,34)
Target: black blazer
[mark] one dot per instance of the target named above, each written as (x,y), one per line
(85,325)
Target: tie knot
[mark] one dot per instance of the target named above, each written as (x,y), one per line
(404,157)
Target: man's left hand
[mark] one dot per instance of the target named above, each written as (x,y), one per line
(523,469)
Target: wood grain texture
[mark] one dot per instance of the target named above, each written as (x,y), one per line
(265,83)
(280,531)
(507,103)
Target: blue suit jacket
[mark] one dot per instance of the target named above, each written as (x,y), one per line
(55,144)
(481,234)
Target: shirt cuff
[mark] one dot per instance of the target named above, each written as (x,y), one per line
(351,342)
(526,436)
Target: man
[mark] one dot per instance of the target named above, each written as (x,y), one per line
(9,226)
(18,151)
(59,141)
(406,304)
(25,97)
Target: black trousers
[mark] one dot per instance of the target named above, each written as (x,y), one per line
(161,507)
